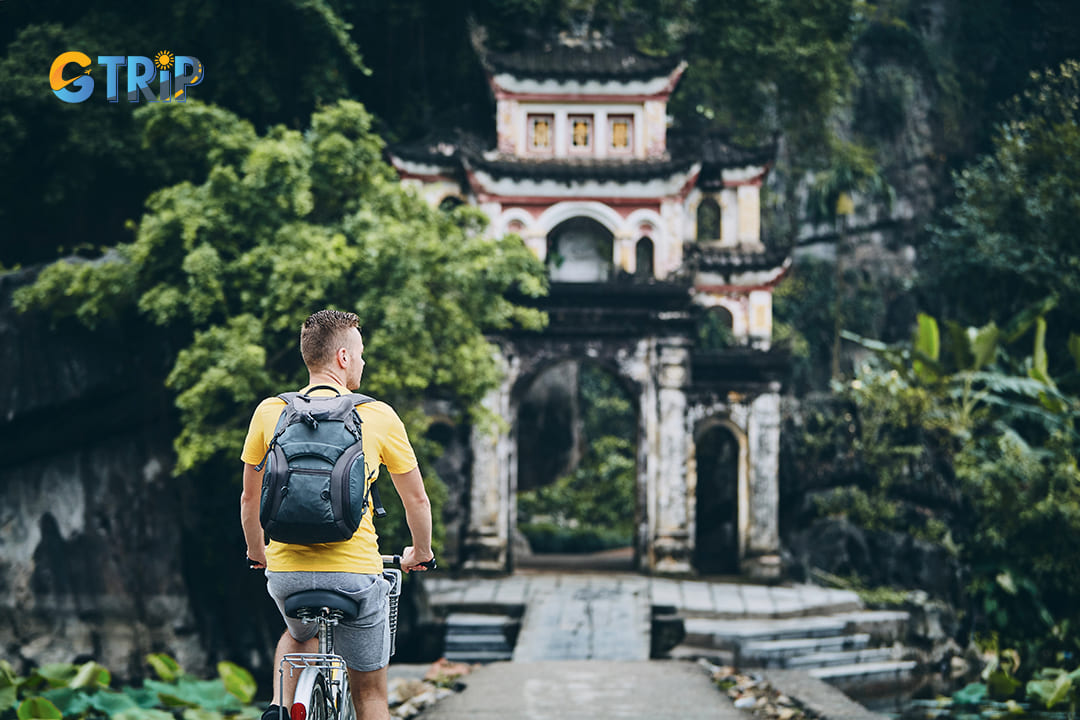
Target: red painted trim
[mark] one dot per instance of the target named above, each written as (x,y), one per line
(474,185)
(690,184)
(650,201)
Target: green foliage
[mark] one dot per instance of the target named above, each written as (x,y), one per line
(64,690)
(92,174)
(284,224)
(713,333)
(1011,231)
(37,708)
(807,309)
(166,668)
(851,171)
(237,680)
(591,508)
(1048,688)
(1013,447)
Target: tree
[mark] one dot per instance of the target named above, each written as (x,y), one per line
(281,225)
(1008,240)
(1010,435)
(75,173)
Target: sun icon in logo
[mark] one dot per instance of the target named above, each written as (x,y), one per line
(163,60)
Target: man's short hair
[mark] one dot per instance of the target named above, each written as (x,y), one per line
(322,336)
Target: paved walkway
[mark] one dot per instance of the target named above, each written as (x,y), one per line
(584,643)
(691,598)
(585,618)
(655,690)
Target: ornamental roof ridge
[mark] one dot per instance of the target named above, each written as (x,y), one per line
(619,169)
(712,152)
(555,61)
(702,256)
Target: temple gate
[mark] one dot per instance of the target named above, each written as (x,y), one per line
(658,273)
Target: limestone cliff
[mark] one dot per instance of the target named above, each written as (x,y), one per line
(90,529)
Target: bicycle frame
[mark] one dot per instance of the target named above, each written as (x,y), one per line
(322,690)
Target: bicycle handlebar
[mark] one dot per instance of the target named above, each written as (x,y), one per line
(396,560)
(387,560)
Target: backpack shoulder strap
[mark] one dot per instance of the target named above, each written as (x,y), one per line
(287,417)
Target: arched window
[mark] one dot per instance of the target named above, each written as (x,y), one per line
(580,250)
(716,330)
(643,268)
(708,220)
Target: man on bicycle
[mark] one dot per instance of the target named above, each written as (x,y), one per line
(333,348)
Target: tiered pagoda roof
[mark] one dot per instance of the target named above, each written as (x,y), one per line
(560,62)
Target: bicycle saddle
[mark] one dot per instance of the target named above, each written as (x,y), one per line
(318,599)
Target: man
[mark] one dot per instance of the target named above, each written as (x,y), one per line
(332,349)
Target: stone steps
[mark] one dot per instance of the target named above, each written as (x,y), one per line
(900,670)
(849,649)
(777,653)
(843,657)
(883,627)
(478,638)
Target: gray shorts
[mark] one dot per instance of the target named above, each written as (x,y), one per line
(363,643)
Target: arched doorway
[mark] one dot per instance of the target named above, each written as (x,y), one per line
(716,536)
(580,250)
(576,469)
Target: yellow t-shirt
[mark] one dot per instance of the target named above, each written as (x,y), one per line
(385,442)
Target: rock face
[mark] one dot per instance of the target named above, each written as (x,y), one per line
(90,534)
(879,558)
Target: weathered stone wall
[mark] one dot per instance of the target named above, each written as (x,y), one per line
(90,533)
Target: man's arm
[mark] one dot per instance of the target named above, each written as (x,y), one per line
(249,515)
(410,487)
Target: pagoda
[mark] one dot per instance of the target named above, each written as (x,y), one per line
(647,239)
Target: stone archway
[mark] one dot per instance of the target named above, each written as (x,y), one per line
(654,371)
(575,429)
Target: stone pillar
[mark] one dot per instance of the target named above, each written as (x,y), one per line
(762,556)
(671,518)
(494,473)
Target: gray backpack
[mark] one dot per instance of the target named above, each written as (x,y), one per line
(315,488)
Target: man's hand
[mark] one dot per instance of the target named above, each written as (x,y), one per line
(256,558)
(411,559)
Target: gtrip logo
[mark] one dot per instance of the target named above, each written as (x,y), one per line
(174,75)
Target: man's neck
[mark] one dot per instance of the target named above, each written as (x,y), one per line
(327,377)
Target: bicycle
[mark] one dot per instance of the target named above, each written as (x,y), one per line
(322,691)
